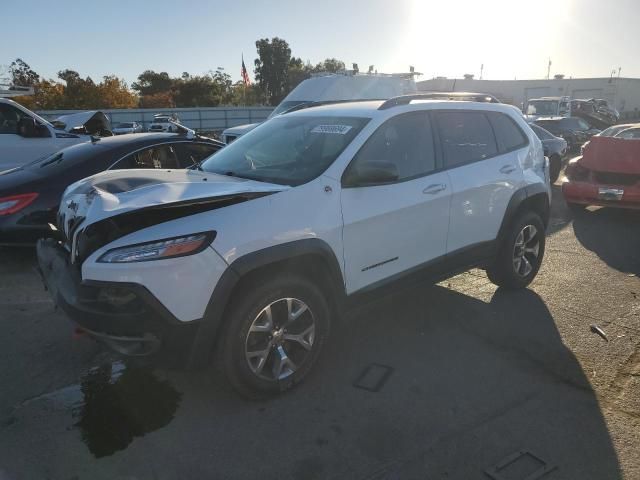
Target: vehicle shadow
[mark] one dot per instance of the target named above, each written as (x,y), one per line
(612,234)
(452,386)
(428,383)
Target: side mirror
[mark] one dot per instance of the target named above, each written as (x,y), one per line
(27,127)
(370,173)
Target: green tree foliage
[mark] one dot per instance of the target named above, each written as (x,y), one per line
(151,83)
(276,72)
(272,68)
(332,65)
(22,74)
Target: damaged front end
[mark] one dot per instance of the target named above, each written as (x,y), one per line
(98,210)
(103,208)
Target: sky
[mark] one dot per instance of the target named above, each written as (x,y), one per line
(511,38)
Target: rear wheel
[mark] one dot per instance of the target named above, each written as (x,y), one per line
(275,334)
(520,255)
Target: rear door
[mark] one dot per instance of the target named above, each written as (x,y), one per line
(481,153)
(394,227)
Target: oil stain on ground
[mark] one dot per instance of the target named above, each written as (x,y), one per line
(116,408)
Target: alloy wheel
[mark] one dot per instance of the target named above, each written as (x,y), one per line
(526,250)
(280,339)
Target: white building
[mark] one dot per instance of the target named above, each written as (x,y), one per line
(624,93)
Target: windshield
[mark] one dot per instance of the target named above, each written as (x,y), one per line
(286,150)
(284,106)
(542,107)
(161,120)
(124,125)
(613,131)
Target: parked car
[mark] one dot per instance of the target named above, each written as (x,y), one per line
(26,136)
(331,87)
(127,127)
(256,252)
(607,174)
(574,130)
(555,149)
(164,123)
(632,133)
(610,132)
(615,129)
(30,195)
(594,113)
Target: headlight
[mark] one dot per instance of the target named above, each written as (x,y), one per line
(160,249)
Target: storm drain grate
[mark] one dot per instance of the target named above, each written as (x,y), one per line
(373,377)
(522,465)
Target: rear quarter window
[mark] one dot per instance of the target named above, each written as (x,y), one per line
(508,133)
(466,137)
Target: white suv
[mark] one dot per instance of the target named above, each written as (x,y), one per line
(255,252)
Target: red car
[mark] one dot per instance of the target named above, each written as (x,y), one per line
(607,174)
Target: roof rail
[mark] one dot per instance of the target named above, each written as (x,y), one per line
(456,96)
(310,104)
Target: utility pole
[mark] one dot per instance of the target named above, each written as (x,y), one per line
(549,69)
(481,70)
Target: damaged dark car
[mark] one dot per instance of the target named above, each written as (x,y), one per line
(30,195)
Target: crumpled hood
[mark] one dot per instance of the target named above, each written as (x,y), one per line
(610,154)
(90,122)
(116,192)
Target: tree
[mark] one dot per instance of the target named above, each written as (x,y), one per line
(244,95)
(272,68)
(151,83)
(113,93)
(157,100)
(22,74)
(332,65)
(298,71)
(79,93)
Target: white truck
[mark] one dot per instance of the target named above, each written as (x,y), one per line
(25,136)
(332,87)
(537,108)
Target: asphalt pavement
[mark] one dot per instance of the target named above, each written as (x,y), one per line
(454,381)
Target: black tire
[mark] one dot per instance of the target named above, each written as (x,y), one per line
(246,309)
(555,165)
(503,272)
(576,208)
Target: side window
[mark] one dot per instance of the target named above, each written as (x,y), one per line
(160,156)
(466,137)
(405,141)
(9,118)
(193,153)
(508,134)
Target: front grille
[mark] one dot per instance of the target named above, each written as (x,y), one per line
(614,178)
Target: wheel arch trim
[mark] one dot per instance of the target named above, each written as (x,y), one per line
(239,269)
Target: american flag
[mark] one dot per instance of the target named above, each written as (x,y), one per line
(245,75)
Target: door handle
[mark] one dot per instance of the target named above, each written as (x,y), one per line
(507,169)
(434,188)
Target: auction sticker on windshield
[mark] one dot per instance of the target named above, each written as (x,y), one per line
(339,129)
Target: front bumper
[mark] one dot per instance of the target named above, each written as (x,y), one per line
(586,193)
(124,316)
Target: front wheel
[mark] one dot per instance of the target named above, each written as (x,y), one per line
(520,254)
(275,333)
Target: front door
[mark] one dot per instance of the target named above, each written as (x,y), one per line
(393,227)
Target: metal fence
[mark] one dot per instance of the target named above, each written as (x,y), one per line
(202,119)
